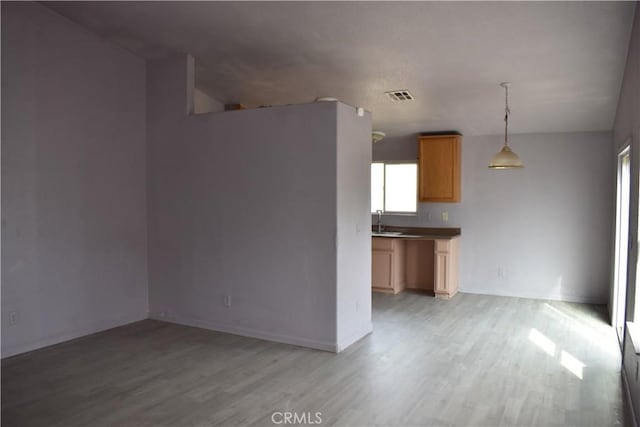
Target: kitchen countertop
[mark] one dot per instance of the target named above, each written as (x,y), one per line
(417,232)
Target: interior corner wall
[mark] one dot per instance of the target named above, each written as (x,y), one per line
(74,240)
(626,131)
(203,103)
(547,226)
(242,215)
(354,226)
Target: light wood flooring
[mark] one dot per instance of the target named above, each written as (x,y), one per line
(472,361)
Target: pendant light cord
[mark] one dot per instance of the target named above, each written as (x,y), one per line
(506,114)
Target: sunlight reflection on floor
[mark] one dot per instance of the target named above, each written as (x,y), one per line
(567,360)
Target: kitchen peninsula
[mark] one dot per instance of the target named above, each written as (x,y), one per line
(424,259)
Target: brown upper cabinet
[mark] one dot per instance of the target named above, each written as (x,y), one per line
(439,168)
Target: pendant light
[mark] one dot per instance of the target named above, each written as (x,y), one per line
(506,159)
(377,135)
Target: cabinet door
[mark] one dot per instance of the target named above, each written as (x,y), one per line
(446,268)
(381,269)
(441,274)
(439,168)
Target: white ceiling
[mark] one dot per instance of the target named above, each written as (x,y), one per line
(565,59)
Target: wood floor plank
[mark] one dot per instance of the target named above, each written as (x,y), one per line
(474,360)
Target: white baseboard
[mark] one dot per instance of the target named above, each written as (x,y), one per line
(531,295)
(247,332)
(86,329)
(355,336)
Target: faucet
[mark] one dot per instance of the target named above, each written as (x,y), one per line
(379,213)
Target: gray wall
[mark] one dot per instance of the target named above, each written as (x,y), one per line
(73,181)
(627,130)
(547,225)
(354,225)
(243,204)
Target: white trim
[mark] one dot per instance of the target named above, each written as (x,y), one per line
(246,332)
(584,299)
(87,329)
(624,152)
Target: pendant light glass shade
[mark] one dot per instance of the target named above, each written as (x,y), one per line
(377,135)
(506,159)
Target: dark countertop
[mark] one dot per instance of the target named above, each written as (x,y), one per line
(417,232)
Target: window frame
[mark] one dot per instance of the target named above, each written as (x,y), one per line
(384,185)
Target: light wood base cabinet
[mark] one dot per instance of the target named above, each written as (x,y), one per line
(446,268)
(387,265)
(415,263)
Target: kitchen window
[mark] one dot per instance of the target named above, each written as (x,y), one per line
(394,187)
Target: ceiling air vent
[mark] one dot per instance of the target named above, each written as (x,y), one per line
(400,95)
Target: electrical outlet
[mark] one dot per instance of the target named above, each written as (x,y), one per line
(227,301)
(502,273)
(445,216)
(13,318)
